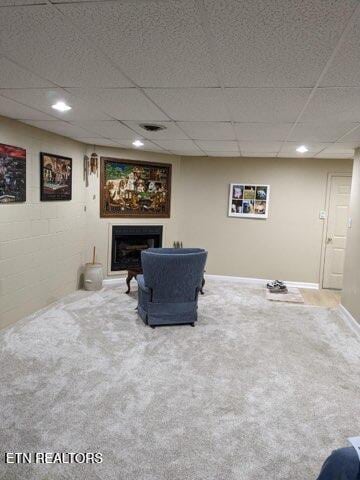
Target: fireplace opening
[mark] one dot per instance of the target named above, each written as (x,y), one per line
(129,241)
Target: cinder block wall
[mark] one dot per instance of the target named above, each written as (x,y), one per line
(41,243)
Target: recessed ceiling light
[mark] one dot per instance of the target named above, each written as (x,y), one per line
(302,149)
(61,107)
(138,143)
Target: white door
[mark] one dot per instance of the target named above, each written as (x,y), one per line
(337,227)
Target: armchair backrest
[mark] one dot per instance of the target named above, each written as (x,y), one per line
(173,274)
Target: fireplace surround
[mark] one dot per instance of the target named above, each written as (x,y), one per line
(128,241)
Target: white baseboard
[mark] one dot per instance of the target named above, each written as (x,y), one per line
(349,319)
(262,281)
(256,281)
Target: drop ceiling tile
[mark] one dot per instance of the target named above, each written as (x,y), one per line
(13,76)
(266,105)
(193,104)
(217,146)
(120,103)
(272,43)
(41,39)
(258,154)
(155,43)
(333,104)
(264,132)
(313,148)
(335,155)
(222,154)
(107,128)
(12,109)
(61,128)
(354,136)
(209,130)
(6,3)
(322,132)
(179,145)
(342,148)
(188,153)
(344,70)
(42,99)
(171,132)
(260,146)
(107,142)
(147,145)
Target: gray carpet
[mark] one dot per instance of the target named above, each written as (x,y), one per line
(257,389)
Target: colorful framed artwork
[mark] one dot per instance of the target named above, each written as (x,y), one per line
(247,200)
(55,177)
(134,189)
(12,174)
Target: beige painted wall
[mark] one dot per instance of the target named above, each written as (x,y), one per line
(351,290)
(41,243)
(287,245)
(98,228)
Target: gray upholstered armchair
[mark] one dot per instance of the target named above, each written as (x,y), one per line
(168,289)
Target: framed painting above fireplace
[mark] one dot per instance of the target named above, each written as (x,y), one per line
(134,189)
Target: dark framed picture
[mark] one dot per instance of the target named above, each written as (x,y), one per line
(55,177)
(12,174)
(249,200)
(134,189)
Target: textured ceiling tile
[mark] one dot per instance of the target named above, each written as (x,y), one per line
(262,132)
(120,103)
(275,43)
(258,154)
(193,104)
(39,38)
(313,148)
(354,136)
(61,128)
(13,76)
(217,146)
(171,132)
(107,142)
(320,132)
(147,145)
(11,109)
(188,153)
(222,154)
(342,148)
(209,130)
(260,147)
(180,145)
(42,99)
(156,43)
(6,3)
(108,128)
(335,155)
(272,105)
(344,70)
(333,104)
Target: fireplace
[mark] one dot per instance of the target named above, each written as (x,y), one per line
(128,242)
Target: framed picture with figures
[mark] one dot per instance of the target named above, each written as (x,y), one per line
(247,200)
(134,189)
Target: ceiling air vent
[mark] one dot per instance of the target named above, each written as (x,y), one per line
(150,127)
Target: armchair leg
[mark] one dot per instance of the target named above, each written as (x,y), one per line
(152,326)
(192,324)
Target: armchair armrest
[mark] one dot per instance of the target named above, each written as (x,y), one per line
(141,284)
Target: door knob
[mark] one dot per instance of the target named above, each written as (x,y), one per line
(329,240)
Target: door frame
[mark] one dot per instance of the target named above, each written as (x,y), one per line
(330,176)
